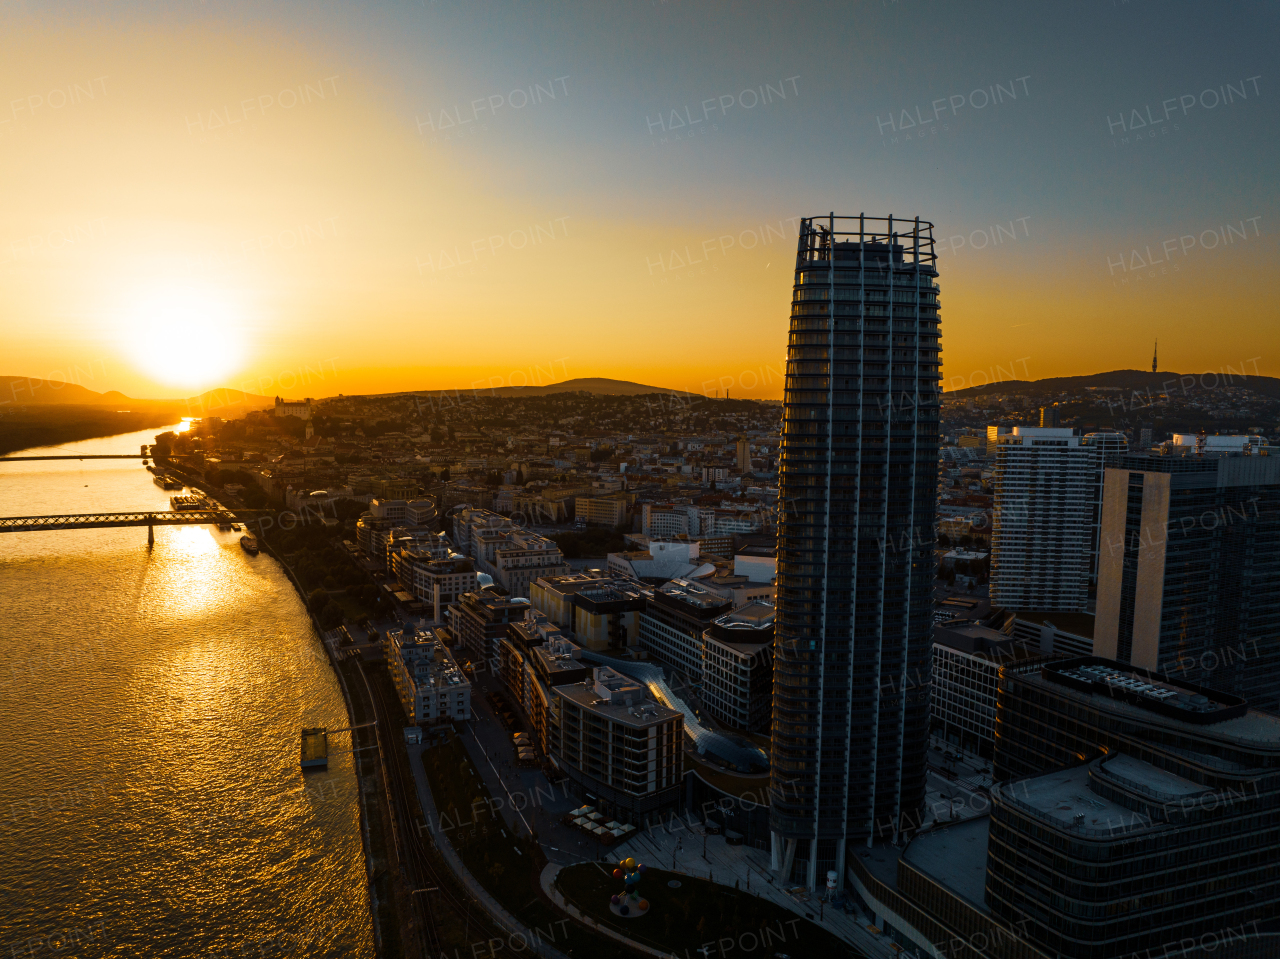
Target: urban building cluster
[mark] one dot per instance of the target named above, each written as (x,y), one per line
(850,595)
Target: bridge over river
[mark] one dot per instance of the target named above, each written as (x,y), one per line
(192,517)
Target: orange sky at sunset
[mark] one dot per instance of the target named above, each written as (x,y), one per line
(184,229)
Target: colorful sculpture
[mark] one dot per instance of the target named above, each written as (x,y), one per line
(628,902)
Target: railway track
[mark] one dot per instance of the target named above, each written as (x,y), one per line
(431,883)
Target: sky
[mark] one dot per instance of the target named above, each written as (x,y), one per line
(316,198)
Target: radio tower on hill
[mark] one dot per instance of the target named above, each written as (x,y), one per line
(1154,350)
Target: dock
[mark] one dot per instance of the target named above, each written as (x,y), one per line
(315,743)
(315,747)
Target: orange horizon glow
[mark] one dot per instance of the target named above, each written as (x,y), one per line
(219,239)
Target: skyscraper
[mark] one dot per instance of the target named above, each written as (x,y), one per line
(1105,444)
(855,562)
(1042,524)
(1189,565)
(1048,513)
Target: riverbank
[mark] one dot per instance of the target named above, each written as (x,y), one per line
(30,427)
(373,818)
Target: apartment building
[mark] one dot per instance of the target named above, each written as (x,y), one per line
(601,510)
(675,618)
(622,750)
(481,620)
(664,521)
(598,611)
(522,559)
(737,667)
(406,512)
(428,681)
(530,673)
(436,582)
(467,523)
(1045,483)
(423,542)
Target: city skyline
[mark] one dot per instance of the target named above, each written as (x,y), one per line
(673,479)
(295,190)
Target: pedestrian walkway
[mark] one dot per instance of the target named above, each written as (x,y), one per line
(680,849)
(548,880)
(504,919)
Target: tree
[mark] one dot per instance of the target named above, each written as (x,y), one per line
(317,598)
(331,615)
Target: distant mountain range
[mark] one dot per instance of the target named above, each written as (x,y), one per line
(229,404)
(28,391)
(1140,381)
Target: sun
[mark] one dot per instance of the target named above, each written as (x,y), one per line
(184,336)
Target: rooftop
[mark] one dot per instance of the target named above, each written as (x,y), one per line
(642,712)
(954,856)
(1142,688)
(1077,624)
(1150,777)
(427,659)
(1064,798)
(750,625)
(984,642)
(560,656)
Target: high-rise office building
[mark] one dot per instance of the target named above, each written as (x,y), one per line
(1041,526)
(1189,575)
(1135,816)
(855,540)
(1105,444)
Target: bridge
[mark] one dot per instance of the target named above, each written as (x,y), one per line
(194,517)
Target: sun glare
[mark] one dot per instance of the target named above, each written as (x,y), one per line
(185,337)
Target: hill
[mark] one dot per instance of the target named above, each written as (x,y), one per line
(599,385)
(31,391)
(1140,381)
(590,384)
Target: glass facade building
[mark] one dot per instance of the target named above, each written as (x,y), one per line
(1135,815)
(858,483)
(1189,569)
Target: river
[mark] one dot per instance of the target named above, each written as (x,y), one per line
(151,802)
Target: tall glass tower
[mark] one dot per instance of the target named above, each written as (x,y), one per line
(855,542)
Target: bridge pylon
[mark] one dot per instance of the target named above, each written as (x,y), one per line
(151,530)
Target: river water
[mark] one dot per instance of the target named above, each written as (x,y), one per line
(151,802)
